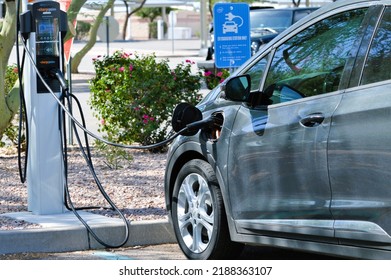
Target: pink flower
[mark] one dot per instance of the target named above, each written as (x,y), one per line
(98,56)
(219,74)
(121,69)
(15,70)
(207,73)
(102,122)
(137,108)
(130,67)
(147,118)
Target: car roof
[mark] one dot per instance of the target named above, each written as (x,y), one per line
(284,9)
(330,7)
(322,10)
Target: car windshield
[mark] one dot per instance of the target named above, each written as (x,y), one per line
(273,19)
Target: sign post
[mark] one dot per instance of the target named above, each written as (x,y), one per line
(232,34)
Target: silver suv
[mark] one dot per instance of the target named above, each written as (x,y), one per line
(294,149)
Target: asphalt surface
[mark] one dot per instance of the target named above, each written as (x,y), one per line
(167,251)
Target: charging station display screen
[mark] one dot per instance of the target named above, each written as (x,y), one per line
(46,28)
(47,36)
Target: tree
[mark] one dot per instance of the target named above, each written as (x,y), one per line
(72,13)
(296,3)
(152,14)
(92,36)
(9,101)
(128,15)
(74,9)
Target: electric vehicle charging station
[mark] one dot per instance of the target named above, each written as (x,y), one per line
(44,25)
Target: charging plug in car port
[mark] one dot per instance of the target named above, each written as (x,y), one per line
(214,131)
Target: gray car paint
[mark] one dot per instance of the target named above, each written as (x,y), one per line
(335,187)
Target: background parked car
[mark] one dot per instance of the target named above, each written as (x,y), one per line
(293,150)
(266,23)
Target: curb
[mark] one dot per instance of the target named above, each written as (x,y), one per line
(74,236)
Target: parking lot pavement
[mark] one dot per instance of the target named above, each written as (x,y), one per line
(148,252)
(167,251)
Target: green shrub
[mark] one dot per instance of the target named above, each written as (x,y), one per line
(134,96)
(11,76)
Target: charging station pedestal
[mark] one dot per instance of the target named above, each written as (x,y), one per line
(42,23)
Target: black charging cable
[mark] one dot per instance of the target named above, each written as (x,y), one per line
(87,155)
(63,111)
(22,105)
(23,117)
(88,159)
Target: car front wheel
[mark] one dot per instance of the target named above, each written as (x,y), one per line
(198,214)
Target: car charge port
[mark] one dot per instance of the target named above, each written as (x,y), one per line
(214,130)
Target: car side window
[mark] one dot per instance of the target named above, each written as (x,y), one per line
(312,62)
(378,64)
(299,14)
(256,73)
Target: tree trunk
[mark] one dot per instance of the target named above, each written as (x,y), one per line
(296,3)
(9,102)
(128,15)
(72,12)
(92,38)
(125,27)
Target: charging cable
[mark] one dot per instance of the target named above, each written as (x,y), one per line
(23,117)
(56,73)
(65,100)
(22,106)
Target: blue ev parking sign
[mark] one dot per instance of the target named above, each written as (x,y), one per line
(232,34)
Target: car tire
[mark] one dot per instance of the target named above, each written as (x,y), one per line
(198,214)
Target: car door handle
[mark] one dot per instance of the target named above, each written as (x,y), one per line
(312,120)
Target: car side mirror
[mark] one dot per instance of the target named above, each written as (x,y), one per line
(238,88)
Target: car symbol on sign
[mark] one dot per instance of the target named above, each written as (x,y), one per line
(230,26)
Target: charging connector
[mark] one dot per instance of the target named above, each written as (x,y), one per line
(56,74)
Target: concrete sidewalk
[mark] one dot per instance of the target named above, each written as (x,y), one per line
(64,232)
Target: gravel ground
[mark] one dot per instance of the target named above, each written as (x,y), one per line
(136,189)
